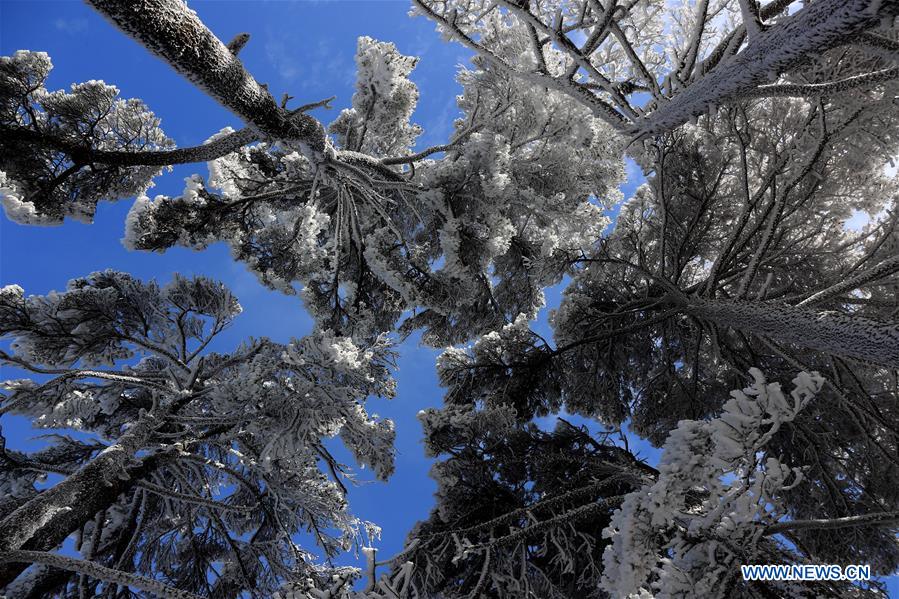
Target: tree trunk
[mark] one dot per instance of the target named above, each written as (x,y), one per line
(175,33)
(45,521)
(817,27)
(172,31)
(830,332)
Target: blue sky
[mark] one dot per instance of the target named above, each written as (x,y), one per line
(306,49)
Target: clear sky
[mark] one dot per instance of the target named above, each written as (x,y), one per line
(304,48)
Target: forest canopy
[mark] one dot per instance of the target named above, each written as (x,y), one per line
(723,311)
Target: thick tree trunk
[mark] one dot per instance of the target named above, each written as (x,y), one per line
(819,26)
(830,332)
(45,521)
(175,33)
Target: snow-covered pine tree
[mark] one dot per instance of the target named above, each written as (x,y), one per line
(718,503)
(467,233)
(184,470)
(371,229)
(646,67)
(735,255)
(700,280)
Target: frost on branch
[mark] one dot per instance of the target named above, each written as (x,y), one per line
(647,67)
(41,184)
(717,490)
(195,457)
(468,239)
(379,122)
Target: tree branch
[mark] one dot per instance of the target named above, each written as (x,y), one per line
(97,571)
(391,160)
(65,374)
(875,519)
(884,46)
(599,107)
(193,499)
(83,155)
(883,269)
(823,89)
(751,21)
(573,515)
(819,26)
(834,333)
(172,31)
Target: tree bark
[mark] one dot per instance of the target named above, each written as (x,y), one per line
(830,332)
(817,27)
(175,33)
(45,521)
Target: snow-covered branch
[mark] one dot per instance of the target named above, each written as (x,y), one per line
(882,270)
(664,542)
(799,90)
(888,519)
(840,334)
(815,28)
(98,572)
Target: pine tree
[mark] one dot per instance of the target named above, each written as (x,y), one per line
(184,466)
(760,129)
